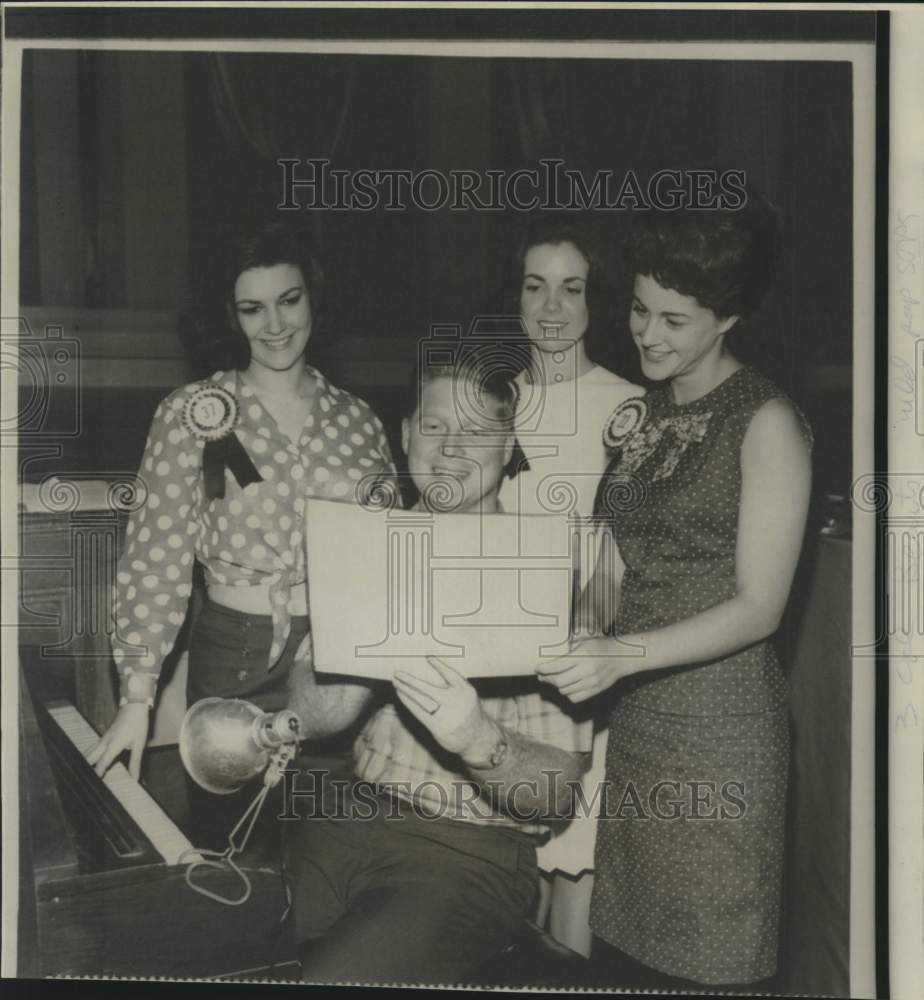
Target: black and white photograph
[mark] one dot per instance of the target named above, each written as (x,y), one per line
(440,500)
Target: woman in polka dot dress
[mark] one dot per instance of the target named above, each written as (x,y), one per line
(228,465)
(707,491)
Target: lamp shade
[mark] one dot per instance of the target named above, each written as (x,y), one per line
(225,742)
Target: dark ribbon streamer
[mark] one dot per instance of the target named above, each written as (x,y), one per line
(226,453)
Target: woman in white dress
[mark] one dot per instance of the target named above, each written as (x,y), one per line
(565,400)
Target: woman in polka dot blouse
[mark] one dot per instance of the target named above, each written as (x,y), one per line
(227,468)
(707,492)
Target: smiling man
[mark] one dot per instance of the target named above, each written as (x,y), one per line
(459,439)
(427,867)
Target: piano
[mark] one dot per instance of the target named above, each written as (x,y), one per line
(103,888)
(102,874)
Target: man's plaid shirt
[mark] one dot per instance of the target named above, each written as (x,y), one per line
(396,753)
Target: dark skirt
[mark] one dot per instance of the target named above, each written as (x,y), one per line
(228,658)
(229,653)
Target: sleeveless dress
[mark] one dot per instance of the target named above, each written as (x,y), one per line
(560,432)
(689,851)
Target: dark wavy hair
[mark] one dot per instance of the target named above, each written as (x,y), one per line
(553,229)
(724,259)
(586,235)
(211,329)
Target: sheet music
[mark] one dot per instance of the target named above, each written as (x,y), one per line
(490,594)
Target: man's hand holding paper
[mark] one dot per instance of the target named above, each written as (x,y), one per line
(444,702)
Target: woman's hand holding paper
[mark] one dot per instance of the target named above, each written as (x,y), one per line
(592,666)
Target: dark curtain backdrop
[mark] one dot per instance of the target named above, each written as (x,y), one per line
(247,112)
(787,125)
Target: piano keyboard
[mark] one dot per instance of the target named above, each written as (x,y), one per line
(164,834)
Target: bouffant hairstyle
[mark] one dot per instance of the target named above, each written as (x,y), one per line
(724,259)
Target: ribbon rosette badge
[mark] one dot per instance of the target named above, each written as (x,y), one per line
(210,413)
(626,418)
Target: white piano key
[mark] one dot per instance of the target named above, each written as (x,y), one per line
(164,834)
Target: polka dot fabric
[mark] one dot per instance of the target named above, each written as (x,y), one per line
(696,898)
(252,537)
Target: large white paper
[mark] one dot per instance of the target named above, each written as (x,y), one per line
(488,593)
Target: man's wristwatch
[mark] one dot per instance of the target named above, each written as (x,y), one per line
(495,757)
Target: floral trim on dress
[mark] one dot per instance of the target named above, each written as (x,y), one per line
(678,433)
